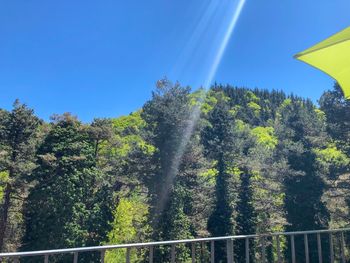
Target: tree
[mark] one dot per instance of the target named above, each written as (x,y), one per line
(337,111)
(300,131)
(267,169)
(222,146)
(18,138)
(129,225)
(101,131)
(169,181)
(68,206)
(335,158)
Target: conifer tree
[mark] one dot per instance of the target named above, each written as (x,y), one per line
(169,182)
(301,131)
(65,208)
(18,137)
(222,146)
(337,110)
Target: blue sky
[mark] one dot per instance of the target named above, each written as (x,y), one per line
(102,58)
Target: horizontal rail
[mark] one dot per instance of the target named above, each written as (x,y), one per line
(162,243)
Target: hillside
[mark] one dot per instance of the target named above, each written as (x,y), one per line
(252,161)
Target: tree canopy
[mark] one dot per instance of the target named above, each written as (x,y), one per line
(187,164)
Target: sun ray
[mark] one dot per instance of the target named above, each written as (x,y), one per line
(194,117)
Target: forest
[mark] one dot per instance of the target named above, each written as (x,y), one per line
(256,161)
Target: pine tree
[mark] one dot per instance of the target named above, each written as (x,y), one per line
(222,146)
(169,181)
(18,137)
(246,215)
(301,131)
(337,110)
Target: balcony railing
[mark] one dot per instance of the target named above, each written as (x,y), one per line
(336,248)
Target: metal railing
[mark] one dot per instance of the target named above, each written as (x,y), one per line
(289,238)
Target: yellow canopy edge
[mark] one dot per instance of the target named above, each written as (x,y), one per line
(332,56)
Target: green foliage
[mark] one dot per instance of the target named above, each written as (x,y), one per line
(221,145)
(286,103)
(254,107)
(252,97)
(234,171)
(254,160)
(337,110)
(320,114)
(129,226)
(176,164)
(241,126)
(265,136)
(332,161)
(210,174)
(127,130)
(203,99)
(301,131)
(4,177)
(132,123)
(18,140)
(234,110)
(66,174)
(332,155)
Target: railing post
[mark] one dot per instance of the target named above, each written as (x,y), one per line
(151,254)
(127,259)
(202,252)
(247,258)
(306,244)
(46,258)
(263,250)
(319,248)
(103,253)
(342,244)
(279,258)
(229,250)
(193,252)
(212,252)
(331,250)
(173,253)
(292,248)
(75,257)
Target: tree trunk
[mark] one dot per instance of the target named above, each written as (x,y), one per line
(4,216)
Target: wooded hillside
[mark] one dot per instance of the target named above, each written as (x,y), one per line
(256,161)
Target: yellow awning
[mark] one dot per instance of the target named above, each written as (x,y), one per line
(332,56)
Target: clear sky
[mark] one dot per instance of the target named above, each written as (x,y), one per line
(102,58)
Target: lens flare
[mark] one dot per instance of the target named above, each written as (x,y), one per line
(224,43)
(195,114)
